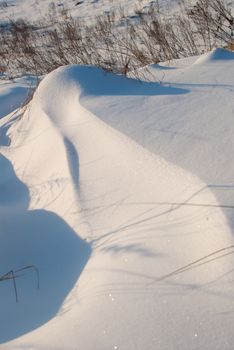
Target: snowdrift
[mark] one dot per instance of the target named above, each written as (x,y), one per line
(215,55)
(121,194)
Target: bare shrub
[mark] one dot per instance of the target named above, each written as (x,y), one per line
(213,20)
(113,41)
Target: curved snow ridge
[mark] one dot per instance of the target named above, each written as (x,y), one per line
(145,217)
(215,55)
(108,167)
(59,96)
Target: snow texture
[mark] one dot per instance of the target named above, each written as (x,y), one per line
(121,194)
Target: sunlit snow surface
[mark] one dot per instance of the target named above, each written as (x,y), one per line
(35,10)
(122,194)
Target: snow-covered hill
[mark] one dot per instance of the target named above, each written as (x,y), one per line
(35,10)
(121,194)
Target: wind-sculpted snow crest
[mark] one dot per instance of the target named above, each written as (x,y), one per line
(88,162)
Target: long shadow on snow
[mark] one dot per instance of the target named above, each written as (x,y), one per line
(91,82)
(35,237)
(73,162)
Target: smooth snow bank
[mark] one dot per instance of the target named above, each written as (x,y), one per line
(110,192)
(193,130)
(217,54)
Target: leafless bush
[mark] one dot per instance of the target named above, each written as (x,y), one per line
(113,42)
(213,20)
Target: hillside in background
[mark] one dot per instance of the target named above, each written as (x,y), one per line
(35,10)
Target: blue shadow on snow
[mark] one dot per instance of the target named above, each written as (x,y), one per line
(91,82)
(11,99)
(33,237)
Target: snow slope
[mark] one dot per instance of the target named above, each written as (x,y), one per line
(112,188)
(36,10)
